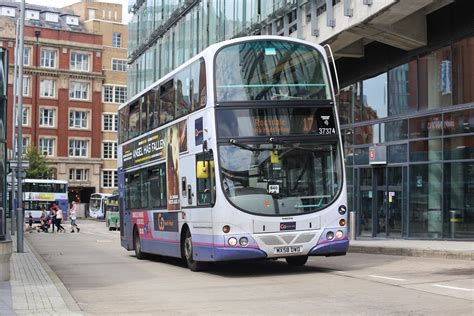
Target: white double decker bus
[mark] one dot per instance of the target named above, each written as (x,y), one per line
(235,155)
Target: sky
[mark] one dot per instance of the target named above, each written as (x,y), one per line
(61,3)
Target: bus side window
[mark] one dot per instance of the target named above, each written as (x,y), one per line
(167,101)
(157,187)
(205,186)
(134,120)
(123,135)
(183,92)
(153,108)
(198,84)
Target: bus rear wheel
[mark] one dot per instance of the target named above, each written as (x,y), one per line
(297,261)
(137,245)
(189,256)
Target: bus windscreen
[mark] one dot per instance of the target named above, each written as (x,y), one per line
(270,70)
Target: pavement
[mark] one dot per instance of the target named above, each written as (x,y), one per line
(34,289)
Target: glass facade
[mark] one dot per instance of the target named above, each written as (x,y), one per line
(419,111)
(422,112)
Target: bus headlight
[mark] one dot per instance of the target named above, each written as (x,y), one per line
(232,241)
(244,241)
(339,234)
(330,236)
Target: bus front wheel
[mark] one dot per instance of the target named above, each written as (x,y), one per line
(137,245)
(297,261)
(188,254)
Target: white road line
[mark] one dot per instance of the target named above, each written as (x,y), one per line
(453,287)
(387,278)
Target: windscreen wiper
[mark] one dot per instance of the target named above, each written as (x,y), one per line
(246,147)
(272,140)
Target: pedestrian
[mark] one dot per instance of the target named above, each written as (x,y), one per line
(73,217)
(59,218)
(52,211)
(30,223)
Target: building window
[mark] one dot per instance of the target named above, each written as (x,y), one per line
(78,119)
(27,56)
(435,79)
(25,118)
(115,94)
(48,58)
(46,146)
(79,61)
(26,86)
(79,175)
(109,179)
(116,39)
(119,64)
(47,88)
(25,144)
(78,147)
(109,122)
(109,150)
(47,116)
(109,94)
(79,90)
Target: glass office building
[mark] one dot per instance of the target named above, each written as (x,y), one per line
(407,114)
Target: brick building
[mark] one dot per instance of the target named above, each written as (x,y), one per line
(106,19)
(62,92)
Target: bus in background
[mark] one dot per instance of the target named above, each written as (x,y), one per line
(112,215)
(235,155)
(42,193)
(97,205)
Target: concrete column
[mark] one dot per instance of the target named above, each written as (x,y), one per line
(5,254)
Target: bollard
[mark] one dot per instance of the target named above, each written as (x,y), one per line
(452,223)
(352,227)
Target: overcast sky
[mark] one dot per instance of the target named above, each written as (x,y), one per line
(61,3)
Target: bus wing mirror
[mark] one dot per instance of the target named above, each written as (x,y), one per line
(202,169)
(204,146)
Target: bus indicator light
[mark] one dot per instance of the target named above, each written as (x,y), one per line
(226,229)
(342,222)
(244,241)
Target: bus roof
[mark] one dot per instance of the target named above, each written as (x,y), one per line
(214,48)
(44,181)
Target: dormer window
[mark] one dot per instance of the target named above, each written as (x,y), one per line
(32,15)
(7,11)
(51,17)
(72,20)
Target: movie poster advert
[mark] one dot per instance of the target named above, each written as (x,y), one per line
(183,136)
(144,150)
(172,166)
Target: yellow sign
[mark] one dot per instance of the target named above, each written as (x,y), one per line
(274,157)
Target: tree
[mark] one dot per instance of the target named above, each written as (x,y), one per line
(38,168)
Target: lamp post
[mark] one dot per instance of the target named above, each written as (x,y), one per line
(21,215)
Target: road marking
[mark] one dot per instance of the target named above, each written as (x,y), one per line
(453,287)
(387,278)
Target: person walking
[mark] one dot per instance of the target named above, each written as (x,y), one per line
(73,217)
(59,218)
(52,213)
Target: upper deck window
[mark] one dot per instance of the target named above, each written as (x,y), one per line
(270,70)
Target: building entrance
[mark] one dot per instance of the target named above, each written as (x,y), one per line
(382,193)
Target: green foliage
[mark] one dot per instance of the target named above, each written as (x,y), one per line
(38,168)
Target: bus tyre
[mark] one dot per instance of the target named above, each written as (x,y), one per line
(297,261)
(188,254)
(137,245)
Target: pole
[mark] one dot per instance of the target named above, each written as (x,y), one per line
(352,225)
(21,216)
(15,123)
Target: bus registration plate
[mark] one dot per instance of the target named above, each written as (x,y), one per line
(292,249)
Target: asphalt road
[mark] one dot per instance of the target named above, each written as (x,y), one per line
(104,278)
